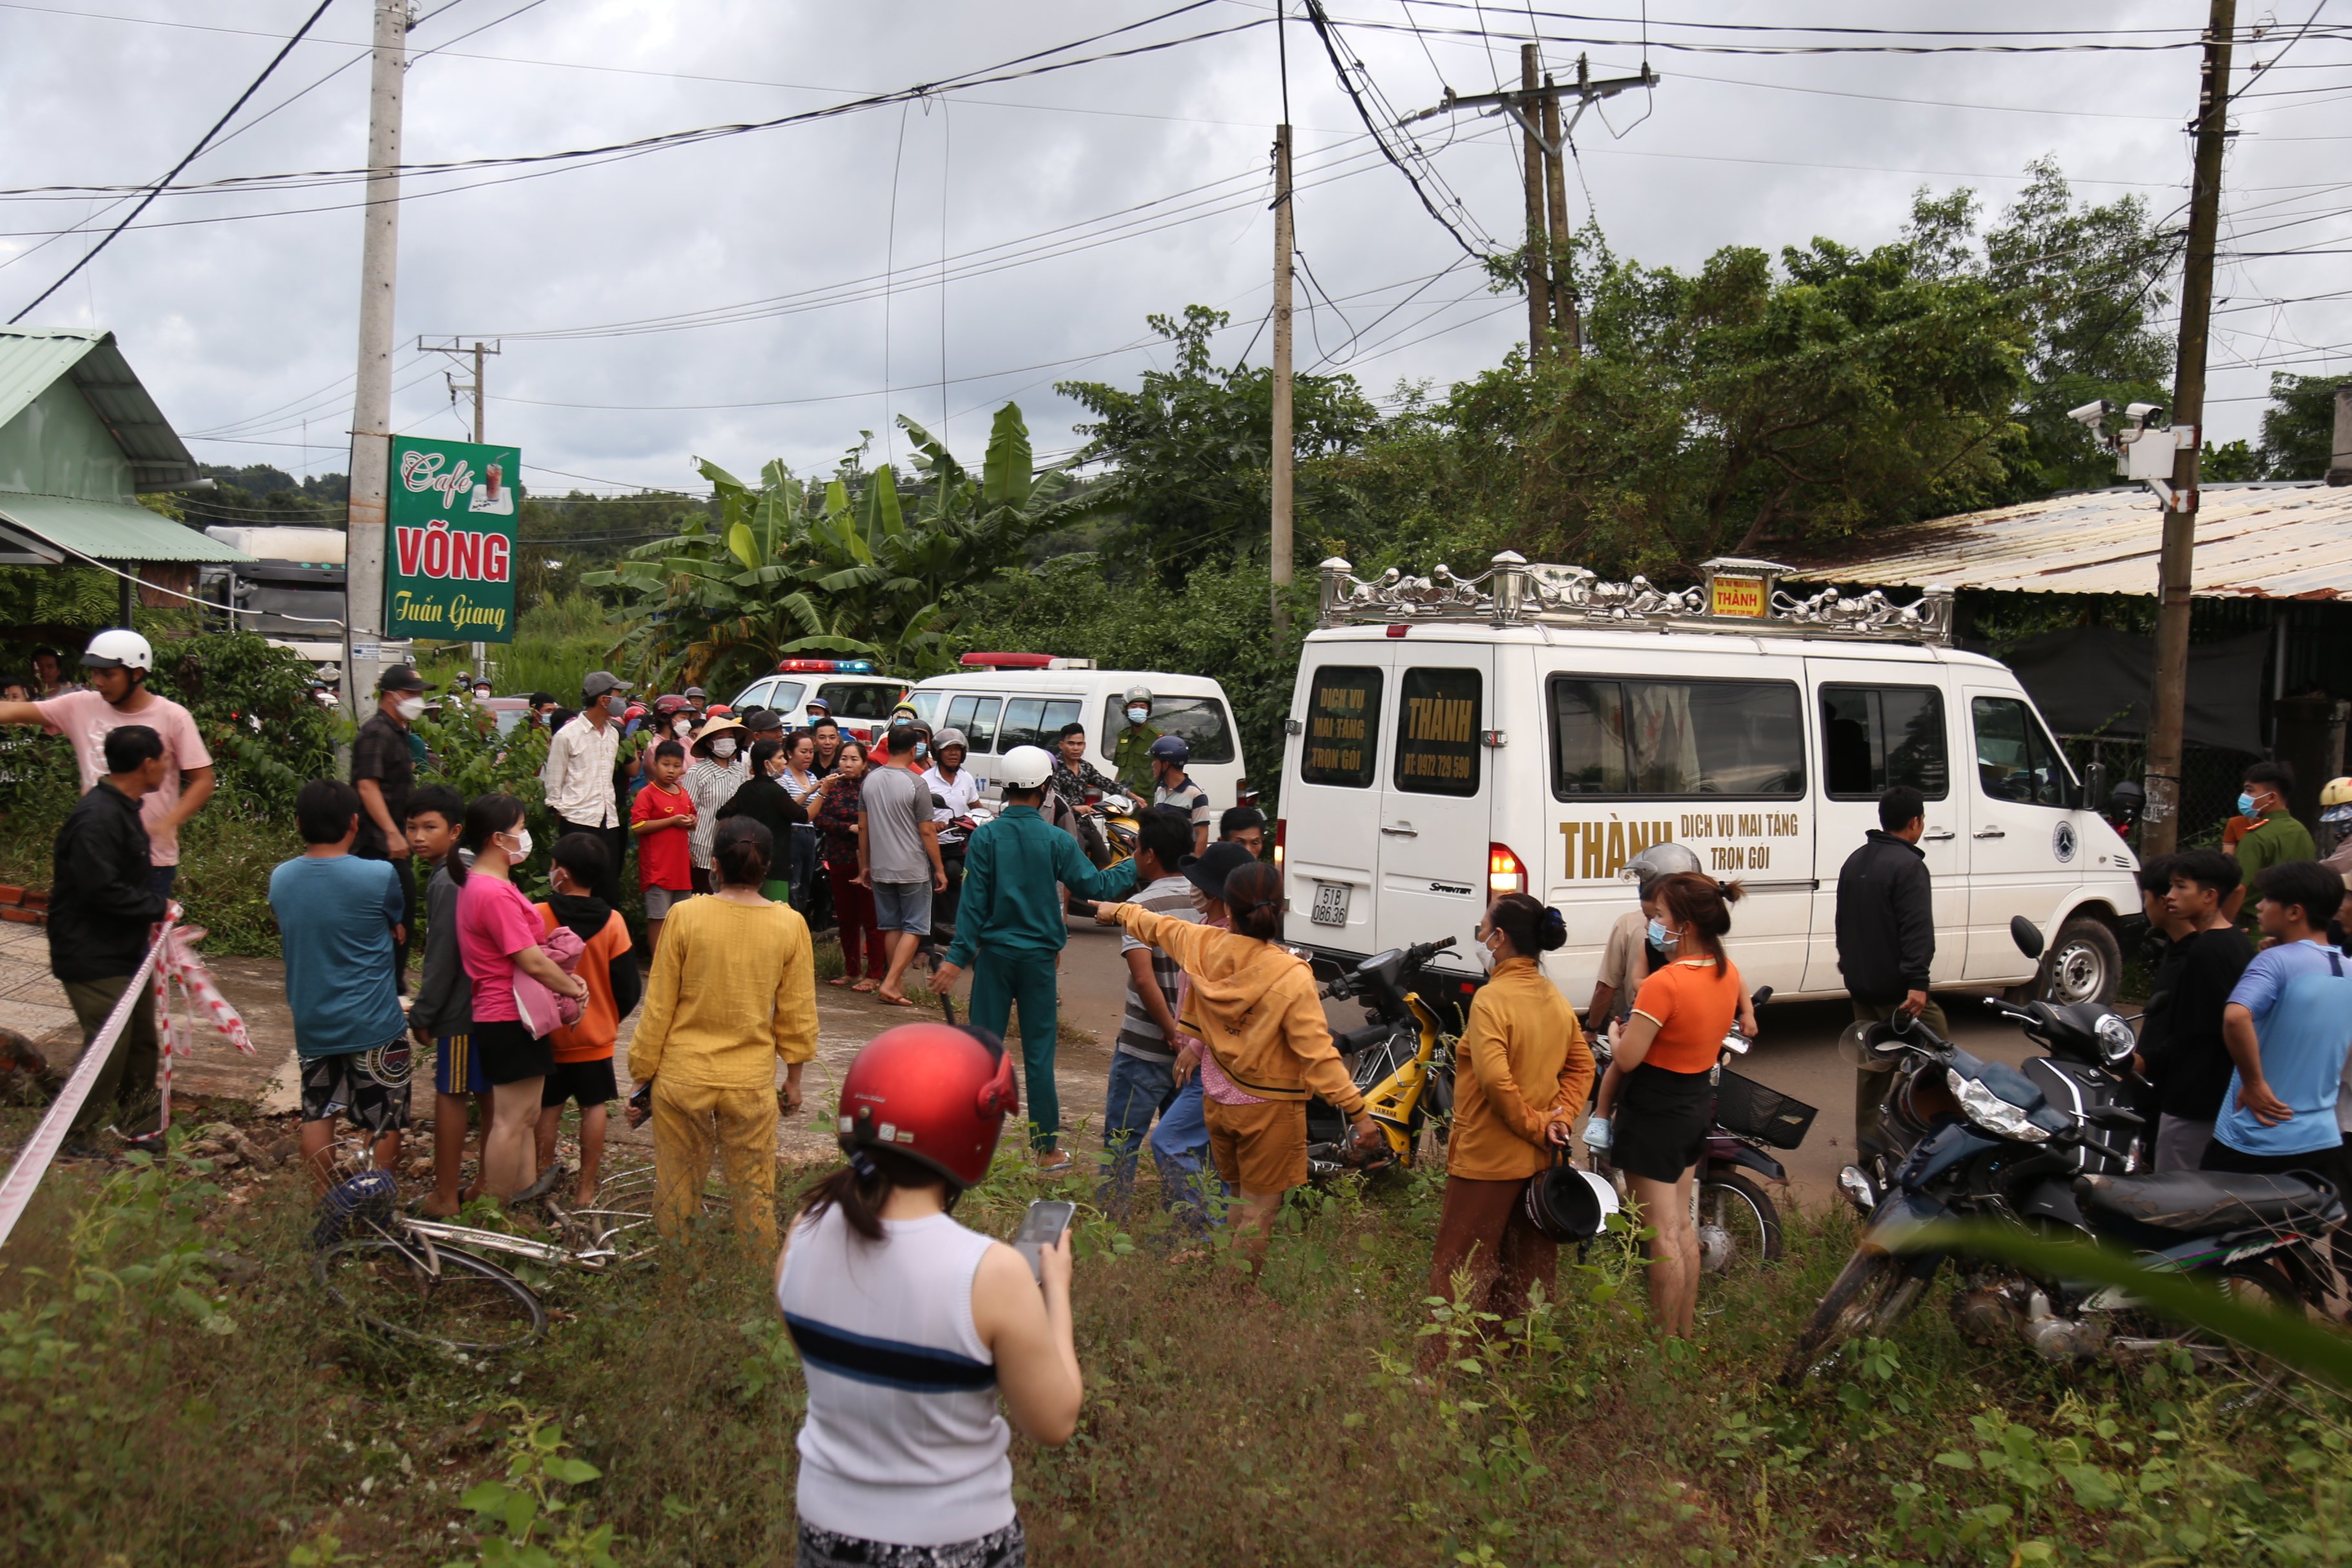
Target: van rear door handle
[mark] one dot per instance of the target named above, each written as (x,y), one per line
(1989,832)
(1939,835)
(1403,830)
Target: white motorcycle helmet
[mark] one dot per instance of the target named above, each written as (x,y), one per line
(1025,767)
(118,648)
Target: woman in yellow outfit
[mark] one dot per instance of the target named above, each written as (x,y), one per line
(1254,1006)
(733,988)
(1521,1079)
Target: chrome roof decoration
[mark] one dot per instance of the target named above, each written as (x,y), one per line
(1737,596)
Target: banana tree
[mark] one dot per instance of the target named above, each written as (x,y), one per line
(851,567)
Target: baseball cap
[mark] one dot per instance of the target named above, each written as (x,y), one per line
(597,682)
(400,678)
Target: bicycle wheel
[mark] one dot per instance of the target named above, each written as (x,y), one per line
(466,1304)
(620,1221)
(1738,1227)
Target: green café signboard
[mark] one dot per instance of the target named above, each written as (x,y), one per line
(450,563)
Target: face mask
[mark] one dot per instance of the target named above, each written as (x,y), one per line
(410,708)
(921,751)
(683,728)
(723,750)
(1138,715)
(2245,805)
(521,851)
(1657,933)
(481,694)
(1485,959)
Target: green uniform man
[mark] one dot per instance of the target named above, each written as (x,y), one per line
(1009,929)
(1132,752)
(2275,836)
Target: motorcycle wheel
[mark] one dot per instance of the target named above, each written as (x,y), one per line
(2258,1282)
(1869,1296)
(1738,1227)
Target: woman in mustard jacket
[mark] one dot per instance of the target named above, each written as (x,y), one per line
(1254,1006)
(1520,1078)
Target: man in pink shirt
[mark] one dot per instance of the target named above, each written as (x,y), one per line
(119,662)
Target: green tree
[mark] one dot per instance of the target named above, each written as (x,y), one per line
(1189,449)
(2299,426)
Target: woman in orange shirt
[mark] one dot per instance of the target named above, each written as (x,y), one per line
(1658,1100)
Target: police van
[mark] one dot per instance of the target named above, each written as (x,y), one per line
(1531,728)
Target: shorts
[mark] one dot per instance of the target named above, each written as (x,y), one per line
(1005,1548)
(457,1070)
(1662,1122)
(1261,1148)
(590,1083)
(659,902)
(511,1052)
(903,905)
(370,1086)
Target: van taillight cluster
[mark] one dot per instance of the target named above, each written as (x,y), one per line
(1505,873)
(1280,825)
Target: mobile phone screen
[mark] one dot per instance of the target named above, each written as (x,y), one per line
(1041,1227)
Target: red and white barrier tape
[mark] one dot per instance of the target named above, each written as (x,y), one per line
(168,958)
(180,965)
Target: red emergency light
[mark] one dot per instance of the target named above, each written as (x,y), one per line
(825,666)
(1023,661)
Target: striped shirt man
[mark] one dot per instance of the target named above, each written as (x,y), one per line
(1139,1035)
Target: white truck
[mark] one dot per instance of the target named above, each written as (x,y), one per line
(1532,728)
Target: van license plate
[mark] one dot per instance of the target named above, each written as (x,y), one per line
(1331,904)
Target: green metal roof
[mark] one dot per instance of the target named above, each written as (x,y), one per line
(33,358)
(67,530)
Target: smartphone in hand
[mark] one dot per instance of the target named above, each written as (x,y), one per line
(1045,1223)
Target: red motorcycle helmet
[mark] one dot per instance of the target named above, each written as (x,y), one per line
(936,1093)
(666,706)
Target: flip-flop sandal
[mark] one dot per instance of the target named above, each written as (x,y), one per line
(866,987)
(838,979)
(894,1001)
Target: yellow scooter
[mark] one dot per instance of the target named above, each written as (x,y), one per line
(1401,1060)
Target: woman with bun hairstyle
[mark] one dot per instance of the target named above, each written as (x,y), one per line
(1658,1100)
(1520,1078)
(1255,1008)
(910,1328)
(733,990)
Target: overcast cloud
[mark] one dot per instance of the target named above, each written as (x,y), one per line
(247,329)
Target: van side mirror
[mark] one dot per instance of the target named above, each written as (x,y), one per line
(2095,786)
(2026,935)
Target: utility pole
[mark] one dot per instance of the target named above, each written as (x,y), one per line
(1280,477)
(478,389)
(1538,244)
(1563,286)
(372,402)
(2162,830)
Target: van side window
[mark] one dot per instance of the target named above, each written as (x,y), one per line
(1200,720)
(927,706)
(2015,758)
(1343,726)
(1438,715)
(1676,738)
(1877,737)
(1037,720)
(976,716)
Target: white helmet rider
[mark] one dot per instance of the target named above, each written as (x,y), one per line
(1025,767)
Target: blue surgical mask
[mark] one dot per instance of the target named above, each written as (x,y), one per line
(1657,933)
(921,751)
(2245,805)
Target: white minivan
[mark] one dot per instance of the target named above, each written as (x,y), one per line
(999,705)
(1532,728)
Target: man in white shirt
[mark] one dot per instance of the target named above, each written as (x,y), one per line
(953,788)
(579,773)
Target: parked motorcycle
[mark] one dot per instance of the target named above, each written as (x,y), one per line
(1738,1222)
(1401,1060)
(1985,1141)
(1115,821)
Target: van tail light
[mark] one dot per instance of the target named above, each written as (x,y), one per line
(1280,823)
(1505,872)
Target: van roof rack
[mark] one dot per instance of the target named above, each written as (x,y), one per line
(1737,596)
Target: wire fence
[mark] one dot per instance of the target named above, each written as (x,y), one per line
(2209,777)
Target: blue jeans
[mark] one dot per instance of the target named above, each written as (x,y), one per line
(1180,1147)
(803,868)
(1139,1090)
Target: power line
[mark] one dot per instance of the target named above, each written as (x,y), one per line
(1321,23)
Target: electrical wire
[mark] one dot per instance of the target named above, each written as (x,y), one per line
(1322,25)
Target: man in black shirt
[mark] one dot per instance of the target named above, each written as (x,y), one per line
(103,907)
(1886,937)
(383,770)
(2182,1043)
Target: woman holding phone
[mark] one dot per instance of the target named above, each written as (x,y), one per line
(910,1327)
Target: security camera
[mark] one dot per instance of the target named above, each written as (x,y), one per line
(2145,413)
(2090,414)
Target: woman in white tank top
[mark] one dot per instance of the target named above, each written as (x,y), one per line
(909,1326)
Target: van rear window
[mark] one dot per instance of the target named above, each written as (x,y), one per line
(1343,726)
(1675,739)
(1438,715)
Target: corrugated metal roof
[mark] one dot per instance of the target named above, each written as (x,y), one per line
(31,359)
(104,530)
(2275,540)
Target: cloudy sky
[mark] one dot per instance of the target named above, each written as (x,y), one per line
(773,292)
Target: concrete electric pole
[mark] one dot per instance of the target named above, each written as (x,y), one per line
(2170,695)
(371,401)
(1538,243)
(1281,472)
(1563,286)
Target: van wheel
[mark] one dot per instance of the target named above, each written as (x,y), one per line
(2084,964)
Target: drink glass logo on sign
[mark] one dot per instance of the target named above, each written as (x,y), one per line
(451,515)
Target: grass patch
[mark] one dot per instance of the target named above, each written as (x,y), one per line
(173,1388)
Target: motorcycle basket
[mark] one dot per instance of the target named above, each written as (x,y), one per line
(1744,1106)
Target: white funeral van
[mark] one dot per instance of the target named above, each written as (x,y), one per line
(1008,700)
(1532,728)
